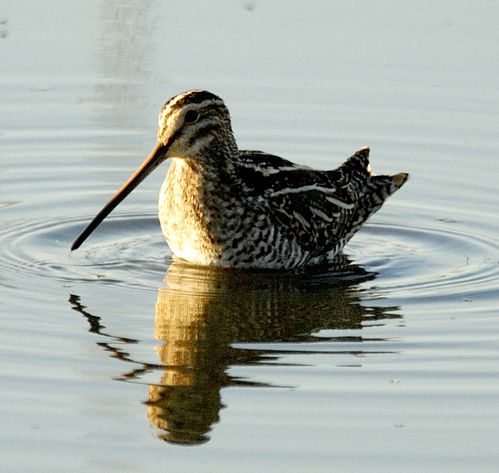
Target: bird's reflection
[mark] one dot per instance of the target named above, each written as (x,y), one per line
(203,313)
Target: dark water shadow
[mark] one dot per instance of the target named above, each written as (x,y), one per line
(201,316)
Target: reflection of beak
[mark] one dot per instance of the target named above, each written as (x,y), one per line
(154,159)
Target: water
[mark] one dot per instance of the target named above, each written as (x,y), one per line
(115,358)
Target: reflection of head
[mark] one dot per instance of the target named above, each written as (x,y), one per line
(184,414)
(202,311)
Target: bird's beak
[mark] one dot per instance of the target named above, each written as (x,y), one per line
(155,158)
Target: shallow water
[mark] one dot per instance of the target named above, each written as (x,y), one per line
(115,358)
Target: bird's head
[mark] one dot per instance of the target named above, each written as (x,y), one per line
(192,125)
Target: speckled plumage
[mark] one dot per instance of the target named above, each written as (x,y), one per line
(225,207)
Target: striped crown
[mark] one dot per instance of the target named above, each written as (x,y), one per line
(192,121)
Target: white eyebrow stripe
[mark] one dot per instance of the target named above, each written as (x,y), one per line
(310,187)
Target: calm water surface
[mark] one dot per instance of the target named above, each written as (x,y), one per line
(115,358)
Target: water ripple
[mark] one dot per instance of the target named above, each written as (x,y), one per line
(414,263)
(422,263)
(127,250)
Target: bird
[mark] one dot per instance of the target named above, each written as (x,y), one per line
(225,207)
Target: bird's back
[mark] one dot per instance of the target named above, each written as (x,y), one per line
(321,210)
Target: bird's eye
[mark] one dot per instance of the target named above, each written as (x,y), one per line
(191,116)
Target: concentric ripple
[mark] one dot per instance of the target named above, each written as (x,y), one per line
(418,263)
(126,250)
(411,263)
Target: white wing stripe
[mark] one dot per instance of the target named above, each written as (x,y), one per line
(310,187)
(322,215)
(301,219)
(340,203)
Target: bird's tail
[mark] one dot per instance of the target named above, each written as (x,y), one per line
(399,180)
(372,190)
(359,170)
(385,186)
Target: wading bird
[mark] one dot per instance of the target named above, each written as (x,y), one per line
(222,206)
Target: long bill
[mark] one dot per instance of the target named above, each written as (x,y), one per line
(154,159)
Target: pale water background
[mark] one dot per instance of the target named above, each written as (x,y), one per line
(112,359)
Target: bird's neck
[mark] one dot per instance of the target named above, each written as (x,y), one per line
(200,185)
(196,206)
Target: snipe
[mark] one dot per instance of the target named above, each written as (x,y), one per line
(222,206)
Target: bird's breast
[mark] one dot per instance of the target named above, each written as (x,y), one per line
(197,216)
